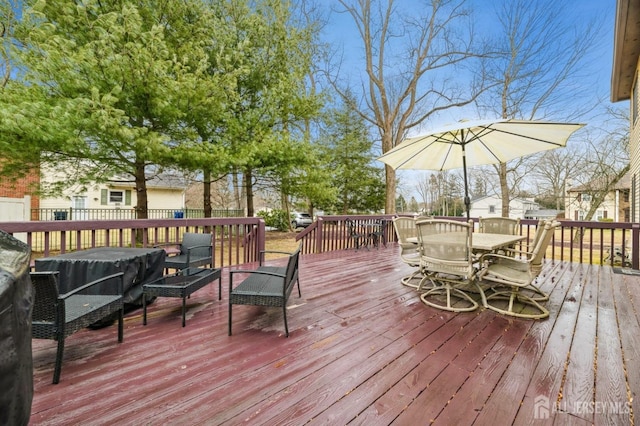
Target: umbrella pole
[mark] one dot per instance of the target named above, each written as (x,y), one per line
(467,200)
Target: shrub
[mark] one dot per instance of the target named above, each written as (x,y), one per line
(275,219)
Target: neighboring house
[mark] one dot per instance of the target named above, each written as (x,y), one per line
(616,205)
(625,85)
(491,206)
(16,199)
(164,191)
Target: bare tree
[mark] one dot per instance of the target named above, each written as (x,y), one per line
(607,160)
(410,56)
(533,75)
(555,169)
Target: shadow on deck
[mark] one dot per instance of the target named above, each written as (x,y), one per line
(363,349)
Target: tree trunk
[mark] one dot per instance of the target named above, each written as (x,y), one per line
(390,197)
(390,173)
(141,208)
(142,211)
(236,190)
(206,193)
(504,189)
(249,192)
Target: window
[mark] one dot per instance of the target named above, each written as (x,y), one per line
(492,209)
(116,196)
(79,202)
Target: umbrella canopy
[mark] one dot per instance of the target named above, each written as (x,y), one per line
(472,143)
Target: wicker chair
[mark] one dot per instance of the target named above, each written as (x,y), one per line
(195,251)
(56,316)
(266,286)
(512,279)
(448,263)
(405,228)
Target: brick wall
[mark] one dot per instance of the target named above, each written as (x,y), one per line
(10,188)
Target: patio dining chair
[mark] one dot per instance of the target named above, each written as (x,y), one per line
(500,225)
(512,279)
(357,235)
(378,233)
(405,228)
(447,263)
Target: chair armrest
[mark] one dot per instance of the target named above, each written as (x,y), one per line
(96,282)
(263,252)
(197,247)
(161,245)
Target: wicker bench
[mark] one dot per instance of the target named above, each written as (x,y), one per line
(56,316)
(266,286)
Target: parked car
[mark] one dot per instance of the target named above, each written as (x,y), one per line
(300,220)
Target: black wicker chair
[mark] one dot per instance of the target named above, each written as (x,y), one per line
(266,286)
(56,316)
(195,251)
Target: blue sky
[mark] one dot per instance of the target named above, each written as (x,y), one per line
(341,32)
(595,72)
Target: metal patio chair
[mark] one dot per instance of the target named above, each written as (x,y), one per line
(512,279)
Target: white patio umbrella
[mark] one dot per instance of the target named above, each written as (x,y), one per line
(473,143)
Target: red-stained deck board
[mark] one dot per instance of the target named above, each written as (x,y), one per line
(626,294)
(504,401)
(362,349)
(422,340)
(339,366)
(446,350)
(546,379)
(611,385)
(318,391)
(430,403)
(579,378)
(475,391)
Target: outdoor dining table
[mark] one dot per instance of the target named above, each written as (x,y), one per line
(139,265)
(480,241)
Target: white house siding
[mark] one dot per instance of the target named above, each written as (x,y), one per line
(634,148)
(481,207)
(610,207)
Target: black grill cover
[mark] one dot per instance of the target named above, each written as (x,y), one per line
(16,301)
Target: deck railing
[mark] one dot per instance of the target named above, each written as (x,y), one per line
(239,240)
(235,240)
(614,243)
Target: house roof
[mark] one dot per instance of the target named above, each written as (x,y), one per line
(626,49)
(496,197)
(623,183)
(159,181)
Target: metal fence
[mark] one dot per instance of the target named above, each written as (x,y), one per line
(127,214)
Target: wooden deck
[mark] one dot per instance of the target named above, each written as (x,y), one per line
(363,350)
